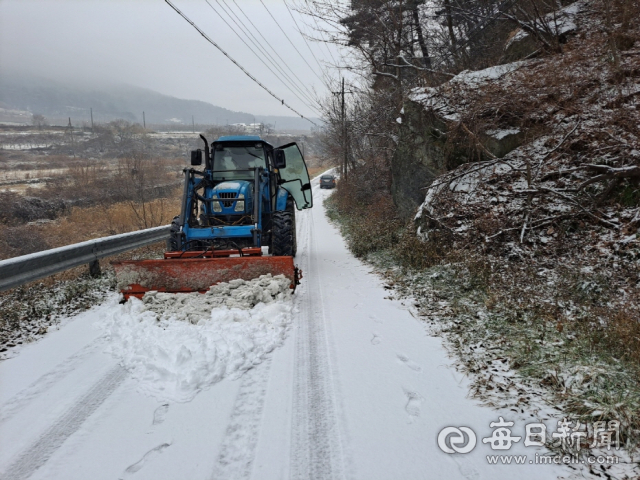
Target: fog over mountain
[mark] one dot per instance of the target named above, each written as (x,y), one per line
(58,101)
(146,43)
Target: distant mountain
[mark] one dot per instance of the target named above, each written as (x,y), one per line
(58,101)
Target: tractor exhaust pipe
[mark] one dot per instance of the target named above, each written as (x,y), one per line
(207,160)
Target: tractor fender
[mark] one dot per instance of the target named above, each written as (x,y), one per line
(281,199)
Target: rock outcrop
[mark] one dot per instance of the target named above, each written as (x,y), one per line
(425,147)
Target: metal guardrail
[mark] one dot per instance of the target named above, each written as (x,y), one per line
(27,268)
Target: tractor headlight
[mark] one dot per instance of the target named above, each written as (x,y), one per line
(239,206)
(216,206)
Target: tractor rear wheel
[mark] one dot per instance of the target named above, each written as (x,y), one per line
(283,234)
(292,209)
(174,242)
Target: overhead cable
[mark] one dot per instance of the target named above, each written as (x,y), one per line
(301,34)
(292,44)
(324,40)
(286,64)
(206,37)
(259,58)
(233,16)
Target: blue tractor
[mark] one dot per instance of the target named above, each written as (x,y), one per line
(242,201)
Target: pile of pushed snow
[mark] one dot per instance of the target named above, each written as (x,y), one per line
(178,344)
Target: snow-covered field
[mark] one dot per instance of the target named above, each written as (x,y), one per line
(334,382)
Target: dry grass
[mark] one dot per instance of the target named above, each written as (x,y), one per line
(86,223)
(366,208)
(92,222)
(87,199)
(597,70)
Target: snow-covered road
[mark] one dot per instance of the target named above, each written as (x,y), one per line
(344,384)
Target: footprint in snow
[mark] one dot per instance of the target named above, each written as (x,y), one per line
(376,339)
(131,469)
(414,401)
(467,471)
(409,363)
(160,414)
(375,319)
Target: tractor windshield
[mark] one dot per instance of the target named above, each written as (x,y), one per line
(235,162)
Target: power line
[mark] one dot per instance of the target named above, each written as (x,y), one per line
(269,44)
(303,37)
(236,63)
(325,41)
(256,43)
(261,60)
(292,44)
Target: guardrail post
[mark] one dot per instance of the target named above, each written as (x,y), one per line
(94,269)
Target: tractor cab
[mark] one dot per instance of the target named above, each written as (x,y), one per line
(237,160)
(242,195)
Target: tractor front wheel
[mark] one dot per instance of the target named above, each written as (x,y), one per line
(283,234)
(174,242)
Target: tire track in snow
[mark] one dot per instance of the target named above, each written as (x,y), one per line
(46,381)
(235,460)
(316,443)
(41,450)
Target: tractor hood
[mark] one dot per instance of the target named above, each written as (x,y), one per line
(234,196)
(231,186)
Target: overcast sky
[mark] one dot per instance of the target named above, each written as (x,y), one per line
(146,43)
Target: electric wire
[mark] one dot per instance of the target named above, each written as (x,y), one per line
(268,43)
(263,49)
(301,34)
(261,60)
(325,41)
(231,14)
(292,44)
(206,37)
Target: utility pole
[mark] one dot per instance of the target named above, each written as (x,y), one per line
(144,121)
(91,109)
(344,137)
(345,141)
(70,134)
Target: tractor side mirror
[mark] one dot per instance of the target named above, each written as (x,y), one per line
(196,157)
(279,160)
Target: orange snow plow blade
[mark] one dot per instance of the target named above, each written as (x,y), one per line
(183,275)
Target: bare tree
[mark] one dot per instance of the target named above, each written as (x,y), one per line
(137,176)
(38,120)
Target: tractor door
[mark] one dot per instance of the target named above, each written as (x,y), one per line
(294,177)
